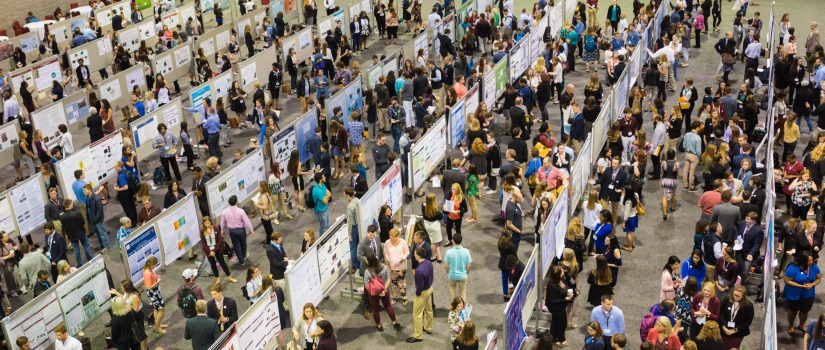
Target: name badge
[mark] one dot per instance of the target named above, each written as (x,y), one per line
(610,186)
(731,325)
(607,331)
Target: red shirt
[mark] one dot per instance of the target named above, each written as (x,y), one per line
(709,200)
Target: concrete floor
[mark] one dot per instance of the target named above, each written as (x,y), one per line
(638,284)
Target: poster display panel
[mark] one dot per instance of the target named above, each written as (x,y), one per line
(241,180)
(303,282)
(260,324)
(387,190)
(138,247)
(84,295)
(28,199)
(46,72)
(428,152)
(458,123)
(282,143)
(333,254)
(35,320)
(304,129)
(48,118)
(179,229)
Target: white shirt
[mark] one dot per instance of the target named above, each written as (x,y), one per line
(591,217)
(70,344)
(330,4)
(67,144)
(432,19)
(508,5)
(163,95)
(667,50)
(525,17)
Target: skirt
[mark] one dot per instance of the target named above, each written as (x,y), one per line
(631,224)
(298,183)
(591,56)
(156,298)
(434,231)
(803,305)
(669,188)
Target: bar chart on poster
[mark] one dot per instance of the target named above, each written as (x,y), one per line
(84,296)
(179,229)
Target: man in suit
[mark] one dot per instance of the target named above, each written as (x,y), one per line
(55,248)
(199,181)
(736,187)
(445,44)
(202,330)
(370,245)
(221,308)
(723,46)
(746,206)
(518,118)
(451,177)
(358,183)
(612,184)
(727,215)
(748,241)
(117,21)
(277,259)
(82,73)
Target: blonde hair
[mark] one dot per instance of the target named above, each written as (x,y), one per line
(120,307)
(430,208)
(709,331)
(315,312)
(709,285)
(664,322)
(459,195)
(212,162)
(818,152)
(592,200)
(311,236)
(570,256)
(574,229)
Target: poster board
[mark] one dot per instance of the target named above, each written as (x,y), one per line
(76,107)
(536,41)
(20,75)
(139,246)
(555,228)
(213,89)
(579,174)
(251,19)
(325,24)
(471,100)
(8,142)
(303,282)
(96,160)
(350,99)
(105,14)
(500,70)
(385,191)
(410,49)
(35,320)
(45,72)
(29,43)
(458,123)
(28,201)
(291,137)
(256,68)
(174,63)
(428,152)
(258,327)
(64,30)
(333,254)
(145,129)
(389,64)
(179,229)
(518,57)
(601,126)
(118,88)
(131,36)
(240,179)
(96,54)
(47,118)
(301,42)
(7,221)
(344,17)
(84,295)
(288,7)
(215,40)
(522,299)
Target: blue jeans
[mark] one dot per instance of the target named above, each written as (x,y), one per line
(676,69)
(238,236)
(396,136)
(88,250)
(323,221)
(102,235)
(353,248)
(516,239)
(356,42)
(262,136)
(505,281)
(807,119)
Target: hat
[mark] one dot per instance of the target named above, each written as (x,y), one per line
(189,273)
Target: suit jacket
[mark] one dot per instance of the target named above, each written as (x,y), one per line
(364,247)
(277,265)
(451,177)
(747,207)
(752,239)
(360,186)
(203,331)
(606,192)
(725,45)
(55,251)
(79,73)
(202,203)
(743,319)
(738,188)
(729,217)
(230,311)
(73,224)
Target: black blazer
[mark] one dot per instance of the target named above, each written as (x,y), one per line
(57,249)
(230,311)
(202,203)
(451,177)
(202,330)
(606,180)
(169,199)
(360,186)
(742,321)
(277,265)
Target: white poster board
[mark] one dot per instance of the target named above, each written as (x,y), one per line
(179,229)
(46,72)
(28,199)
(385,191)
(97,161)
(552,235)
(458,123)
(303,282)
(333,254)
(241,180)
(36,320)
(260,324)
(7,221)
(84,295)
(428,152)
(48,118)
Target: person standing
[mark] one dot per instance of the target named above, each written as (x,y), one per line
(64,340)
(166,144)
(94,211)
(221,308)
(612,182)
(278,261)
(609,317)
(422,304)
(692,144)
(202,330)
(55,248)
(457,263)
(235,221)
(736,316)
(212,245)
(352,228)
(73,223)
(555,300)
(513,215)
(377,270)
(321,196)
(126,191)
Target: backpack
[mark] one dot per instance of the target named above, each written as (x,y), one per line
(187,302)
(647,323)
(513,22)
(405,4)
(309,202)
(376,286)
(158,177)
(132,182)
(245,293)
(590,43)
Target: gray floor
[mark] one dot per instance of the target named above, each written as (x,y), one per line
(638,280)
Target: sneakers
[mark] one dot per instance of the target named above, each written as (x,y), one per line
(490,192)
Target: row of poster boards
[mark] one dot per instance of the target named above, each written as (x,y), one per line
(69,111)
(167,237)
(240,179)
(387,190)
(22,207)
(294,136)
(311,277)
(213,89)
(76,301)
(523,300)
(9,136)
(459,115)
(387,65)
(256,329)
(97,161)
(350,99)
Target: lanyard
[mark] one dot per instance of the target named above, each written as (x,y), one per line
(607,318)
(734,310)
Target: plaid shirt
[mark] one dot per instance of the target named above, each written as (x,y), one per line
(356,132)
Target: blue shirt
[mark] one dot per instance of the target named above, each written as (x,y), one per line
(458,258)
(212,124)
(689,269)
(356,132)
(815,344)
(121,178)
(632,39)
(612,322)
(802,277)
(77,187)
(819,75)
(601,232)
(319,192)
(139,106)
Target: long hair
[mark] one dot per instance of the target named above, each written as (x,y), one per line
(570,256)
(459,195)
(670,261)
(710,331)
(574,229)
(468,334)
(505,240)
(592,200)
(602,273)
(294,161)
(818,328)
(430,208)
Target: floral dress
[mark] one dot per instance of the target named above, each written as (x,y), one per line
(803,188)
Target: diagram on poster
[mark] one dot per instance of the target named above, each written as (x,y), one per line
(223,83)
(428,151)
(85,295)
(77,109)
(186,12)
(135,78)
(182,56)
(75,57)
(179,229)
(138,247)
(105,153)
(8,136)
(208,46)
(6,219)
(145,131)
(27,199)
(147,30)
(240,180)
(45,73)
(163,65)
(249,74)
(333,255)
(110,90)
(130,39)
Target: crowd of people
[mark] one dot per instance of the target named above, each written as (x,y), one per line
(704,299)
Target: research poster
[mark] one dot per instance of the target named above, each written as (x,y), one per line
(47,72)
(145,131)
(458,123)
(501,77)
(35,320)
(333,255)
(282,145)
(304,129)
(135,78)
(78,109)
(304,282)
(84,295)
(6,219)
(110,90)
(260,324)
(182,57)
(428,152)
(47,120)
(8,135)
(240,180)
(75,57)
(208,46)
(28,200)
(179,229)
(471,101)
(130,38)
(138,247)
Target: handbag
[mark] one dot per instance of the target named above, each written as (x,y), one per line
(138,332)
(640,209)
(728,58)
(376,286)
(286,88)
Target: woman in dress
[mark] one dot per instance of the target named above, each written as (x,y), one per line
(613,254)
(432,224)
(152,283)
(726,272)
(569,279)
(591,211)
(556,299)
(276,188)
(266,210)
(456,213)
(396,252)
(802,189)
(575,238)
(385,223)
(602,230)
(670,174)
(801,278)
(297,174)
(212,245)
(684,303)
(237,96)
(600,281)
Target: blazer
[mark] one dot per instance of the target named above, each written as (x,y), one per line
(606,181)
(230,311)
(202,203)
(55,251)
(94,209)
(364,247)
(451,177)
(73,224)
(727,215)
(753,239)
(218,248)
(742,321)
(277,265)
(202,330)
(360,186)
(713,306)
(79,74)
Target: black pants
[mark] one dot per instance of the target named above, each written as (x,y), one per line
(717,19)
(129,347)
(382,23)
(392,32)
(190,155)
(103,73)
(214,148)
(215,260)
(661,91)
(588,233)
(167,162)
(571,58)
(788,149)
(251,49)
(697,35)
(657,165)
(686,117)
(558,323)
(127,202)
(267,224)
(453,223)
(751,63)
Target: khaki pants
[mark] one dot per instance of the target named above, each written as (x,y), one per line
(356,149)
(709,272)
(303,100)
(671,79)
(282,283)
(577,146)
(423,313)
(591,16)
(473,206)
(383,120)
(462,289)
(691,162)
(614,209)
(82,208)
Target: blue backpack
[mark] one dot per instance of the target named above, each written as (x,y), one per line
(589,43)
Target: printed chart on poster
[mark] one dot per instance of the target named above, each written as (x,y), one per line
(75,57)
(135,78)
(388,190)
(179,229)
(28,200)
(304,282)
(458,123)
(8,136)
(36,320)
(259,325)
(555,228)
(110,90)
(428,151)
(45,73)
(138,247)
(6,218)
(333,255)
(85,295)
(282,145)
(78,109)
(471,100)
(240,180)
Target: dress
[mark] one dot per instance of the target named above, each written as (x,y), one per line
(610,255)
(669,181)
(594,295)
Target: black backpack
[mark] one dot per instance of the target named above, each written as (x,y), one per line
(187,302)
(309,201)
(132,182)
(245,293)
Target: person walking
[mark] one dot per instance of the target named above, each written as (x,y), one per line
(72,223)
(376,284)
(201,330)
(609,317)
(152,283)
(94,211)
(396,252)
(321,196)
(455,209)
(235,222)
(422,304)
(457,263)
